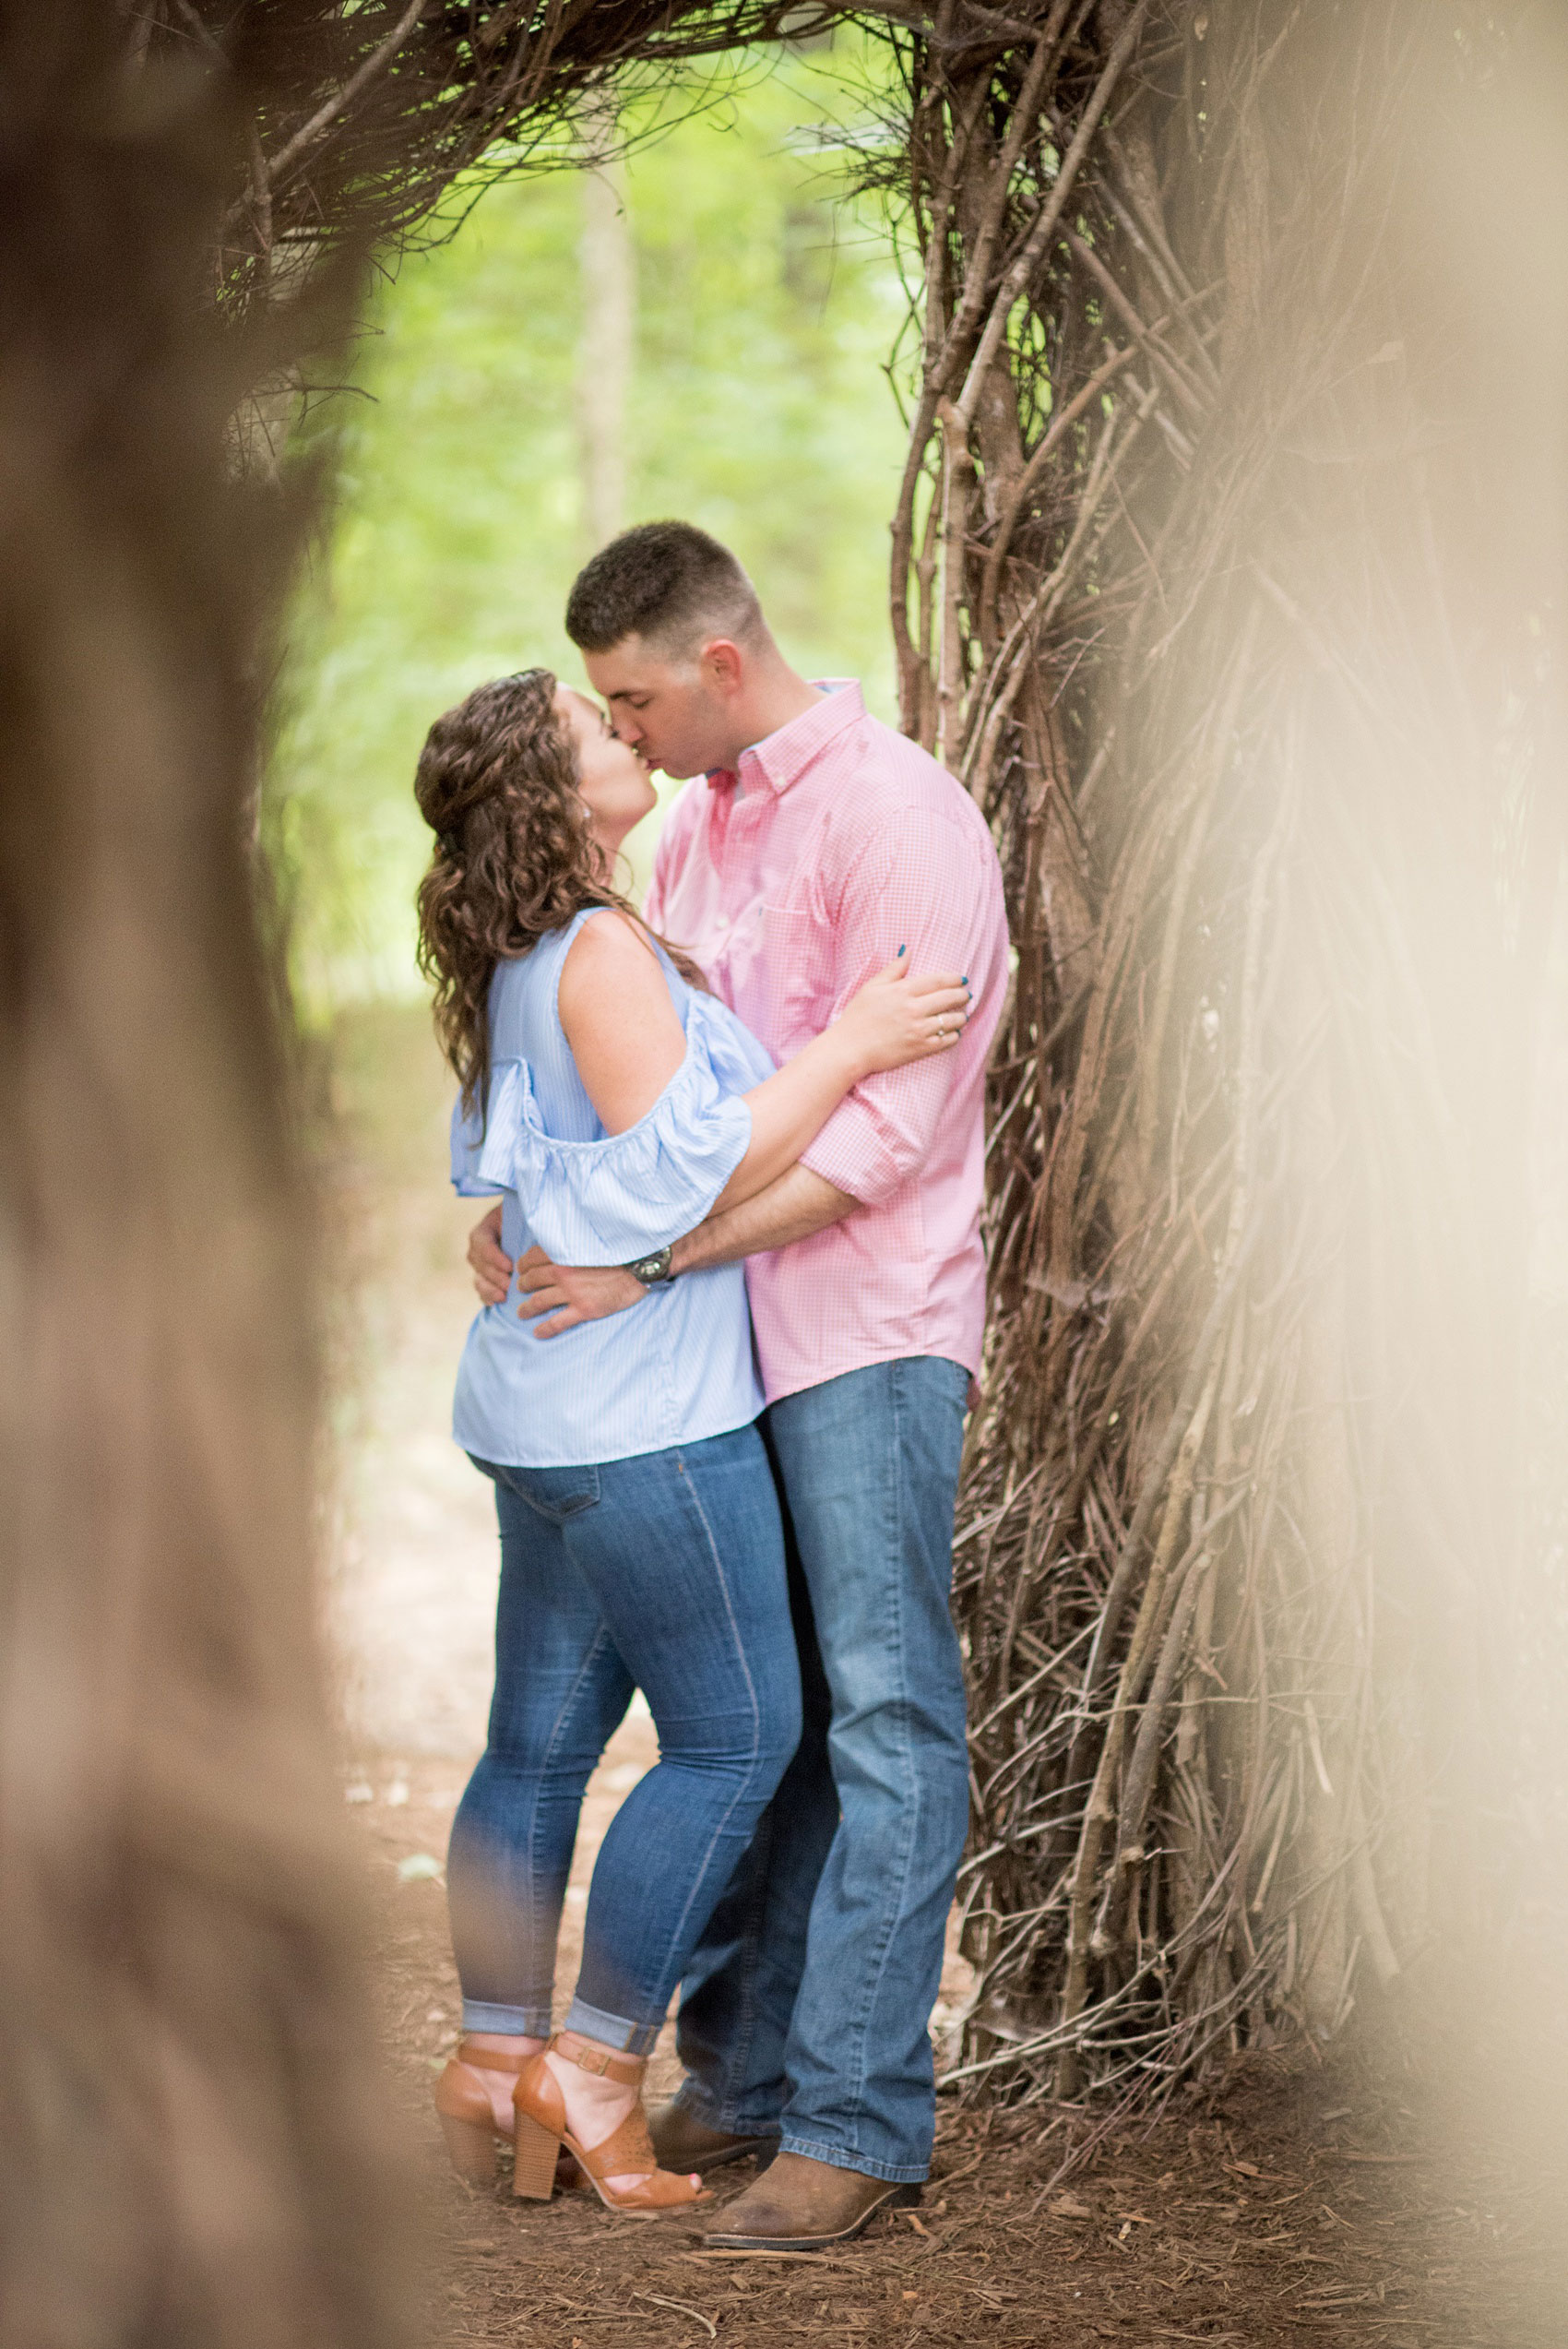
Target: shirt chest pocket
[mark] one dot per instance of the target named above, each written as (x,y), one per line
(793,974)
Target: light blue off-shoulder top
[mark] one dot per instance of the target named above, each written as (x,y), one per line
(676,1368)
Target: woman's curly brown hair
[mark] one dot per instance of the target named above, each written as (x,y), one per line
(515,854)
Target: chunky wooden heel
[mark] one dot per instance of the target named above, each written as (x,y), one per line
(466,2112)
(470,2146)
(533,2170)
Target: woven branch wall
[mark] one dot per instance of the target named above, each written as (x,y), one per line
(1190,588)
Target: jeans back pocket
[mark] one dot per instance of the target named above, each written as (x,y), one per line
(555,1493)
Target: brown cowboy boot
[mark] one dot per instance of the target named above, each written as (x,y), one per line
(684,2143)
(803,2205)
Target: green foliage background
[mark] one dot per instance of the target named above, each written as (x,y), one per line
(760,407)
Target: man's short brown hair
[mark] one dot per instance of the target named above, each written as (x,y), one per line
(668,582)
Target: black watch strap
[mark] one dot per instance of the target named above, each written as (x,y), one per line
(652,1270)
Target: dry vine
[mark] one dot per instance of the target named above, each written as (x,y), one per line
(1179,589)
(377,113)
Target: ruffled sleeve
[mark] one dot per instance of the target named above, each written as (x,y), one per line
(605,1202)
(466,1139)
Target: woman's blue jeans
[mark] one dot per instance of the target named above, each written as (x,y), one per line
(666,1573)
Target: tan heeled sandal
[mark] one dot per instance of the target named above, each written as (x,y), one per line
(542,2129)
(467,2115)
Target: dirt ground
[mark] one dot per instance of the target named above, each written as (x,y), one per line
(1292,2200)
(1348,2200)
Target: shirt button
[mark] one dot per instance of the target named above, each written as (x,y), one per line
(723,923)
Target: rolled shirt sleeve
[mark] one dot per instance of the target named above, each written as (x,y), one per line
(882,1132)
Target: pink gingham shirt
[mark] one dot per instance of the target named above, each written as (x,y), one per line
(792,884)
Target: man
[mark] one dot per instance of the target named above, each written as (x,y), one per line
(813,846)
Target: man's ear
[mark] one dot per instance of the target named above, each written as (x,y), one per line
(724,664)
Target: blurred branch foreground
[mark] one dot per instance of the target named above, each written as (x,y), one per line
(189,2140)
(1228,576)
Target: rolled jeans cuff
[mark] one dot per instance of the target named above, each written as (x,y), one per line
(526,2022)
(610,2030)
(840,2157)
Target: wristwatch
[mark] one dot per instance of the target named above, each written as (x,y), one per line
(653,1270)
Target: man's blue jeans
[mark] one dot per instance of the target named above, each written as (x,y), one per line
(806,2006)
(665,1572)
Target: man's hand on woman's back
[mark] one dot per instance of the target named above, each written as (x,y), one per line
(567,1295)
(488,1261)
(571,1294)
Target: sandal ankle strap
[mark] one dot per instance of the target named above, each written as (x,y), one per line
(605,2063)
(492,2059)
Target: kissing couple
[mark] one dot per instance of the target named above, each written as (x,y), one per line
(733,1293)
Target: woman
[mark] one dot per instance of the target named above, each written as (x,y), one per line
(614,1104)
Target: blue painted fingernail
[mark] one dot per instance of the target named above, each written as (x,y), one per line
(896,957)
(965,980)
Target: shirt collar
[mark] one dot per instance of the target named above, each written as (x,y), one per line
(781,758)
